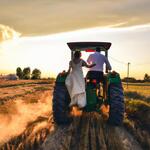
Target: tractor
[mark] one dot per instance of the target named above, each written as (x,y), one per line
(113,98)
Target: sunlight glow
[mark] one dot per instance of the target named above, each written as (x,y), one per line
(51,55)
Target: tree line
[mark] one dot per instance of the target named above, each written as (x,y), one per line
(132,79)
(27,74)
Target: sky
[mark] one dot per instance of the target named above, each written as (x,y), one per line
(34,33)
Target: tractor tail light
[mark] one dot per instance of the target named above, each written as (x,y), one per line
(94,81)
(90,50)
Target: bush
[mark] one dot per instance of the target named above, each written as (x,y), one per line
(19,73)
(36,74)
(146,78)
(129,79)
(26,73)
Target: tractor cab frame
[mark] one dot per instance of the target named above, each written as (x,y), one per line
(89,47)
(93,89)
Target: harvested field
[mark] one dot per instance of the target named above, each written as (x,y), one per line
(22,104)
(137,120)
(27,122)
(140,88)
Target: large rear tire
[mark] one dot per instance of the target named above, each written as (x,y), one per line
(116,101)
(61,100)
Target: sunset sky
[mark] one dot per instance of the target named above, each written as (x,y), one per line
(34,33)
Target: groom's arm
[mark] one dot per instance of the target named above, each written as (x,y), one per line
(87,65)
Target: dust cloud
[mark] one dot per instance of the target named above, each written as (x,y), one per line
(14,124)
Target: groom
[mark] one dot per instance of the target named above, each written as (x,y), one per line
(96,72)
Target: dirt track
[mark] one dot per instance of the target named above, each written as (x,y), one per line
(89,132)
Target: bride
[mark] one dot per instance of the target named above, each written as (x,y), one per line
(75,82)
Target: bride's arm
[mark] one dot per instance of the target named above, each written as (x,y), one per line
(69,67)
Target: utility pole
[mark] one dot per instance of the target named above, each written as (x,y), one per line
(128,65)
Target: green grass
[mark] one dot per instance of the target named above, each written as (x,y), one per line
(137,121)
(27,83)
(138,110)
(28,92)
(135,95)
(137,105)
(137,84)
(41,88)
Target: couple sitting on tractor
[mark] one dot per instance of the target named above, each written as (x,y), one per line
(75,81)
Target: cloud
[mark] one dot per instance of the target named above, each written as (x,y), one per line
(49,16)
(7,33)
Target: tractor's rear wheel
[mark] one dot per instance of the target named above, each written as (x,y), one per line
(116,101)
(61,100)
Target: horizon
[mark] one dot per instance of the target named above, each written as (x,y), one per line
(47,47)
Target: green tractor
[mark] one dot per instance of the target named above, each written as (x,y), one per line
(113,97)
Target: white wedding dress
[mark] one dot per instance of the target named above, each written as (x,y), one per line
(75,84)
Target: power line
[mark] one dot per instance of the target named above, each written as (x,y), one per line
(121,62)
(141,64)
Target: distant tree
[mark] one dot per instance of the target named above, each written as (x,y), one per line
(140,81)
(129,79)
(19,73)
(26,73)
(36,74)
(146,77)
